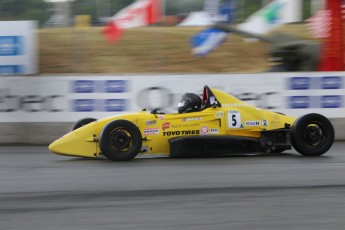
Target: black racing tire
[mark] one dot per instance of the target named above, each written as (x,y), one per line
(120,140)
(312,135)
(83,122)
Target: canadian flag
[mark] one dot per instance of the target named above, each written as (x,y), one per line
(139,13)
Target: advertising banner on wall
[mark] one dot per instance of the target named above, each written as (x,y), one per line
(68,99)
(18,48)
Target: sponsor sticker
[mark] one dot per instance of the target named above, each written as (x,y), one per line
(214,131)
(219,114)
(185,125)
(264,122)
(204,130)
(166,125)
(161,117)
(152,122)
(192,119)
(252,123)
(151,131)
(185,132)
(236,105)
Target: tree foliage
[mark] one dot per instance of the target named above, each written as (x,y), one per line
(24,10)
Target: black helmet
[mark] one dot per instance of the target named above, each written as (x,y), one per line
(190,102)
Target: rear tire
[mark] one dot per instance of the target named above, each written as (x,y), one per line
(312,134)
(120,140)
(83,122)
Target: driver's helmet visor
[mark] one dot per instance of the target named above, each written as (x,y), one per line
(181,104)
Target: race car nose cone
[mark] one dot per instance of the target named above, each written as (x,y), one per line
(76,143)
(55,147)
(51,147)
(60,146)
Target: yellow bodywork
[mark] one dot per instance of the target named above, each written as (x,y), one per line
(234,117)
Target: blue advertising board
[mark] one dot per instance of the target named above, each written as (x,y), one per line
(99,86)
(18,48)
(11,45)
(93,87)
(11,69)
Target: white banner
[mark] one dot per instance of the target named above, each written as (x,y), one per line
(18,47)
(67,99)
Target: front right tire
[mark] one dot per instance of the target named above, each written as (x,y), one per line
(120,140)
(312,134)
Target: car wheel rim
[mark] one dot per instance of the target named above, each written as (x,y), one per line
(121,140)
(314,135)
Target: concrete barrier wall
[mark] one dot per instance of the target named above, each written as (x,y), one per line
(44,133)
(23,133)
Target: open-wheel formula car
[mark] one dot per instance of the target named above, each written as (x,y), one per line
(216,124)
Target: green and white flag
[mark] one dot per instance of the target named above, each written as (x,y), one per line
(272,16)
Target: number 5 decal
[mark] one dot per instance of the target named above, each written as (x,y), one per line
(234,119)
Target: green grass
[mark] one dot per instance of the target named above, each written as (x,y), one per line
(148,50)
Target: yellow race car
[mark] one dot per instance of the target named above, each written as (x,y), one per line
(215,124)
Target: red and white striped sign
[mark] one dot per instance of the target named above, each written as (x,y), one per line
(332,53)
(319,24)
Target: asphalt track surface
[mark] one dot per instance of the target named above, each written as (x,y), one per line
(39,190)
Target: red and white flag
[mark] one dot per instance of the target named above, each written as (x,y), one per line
(139,13)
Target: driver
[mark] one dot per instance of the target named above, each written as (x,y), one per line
(190,102)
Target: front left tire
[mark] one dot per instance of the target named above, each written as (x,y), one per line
(83,122)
